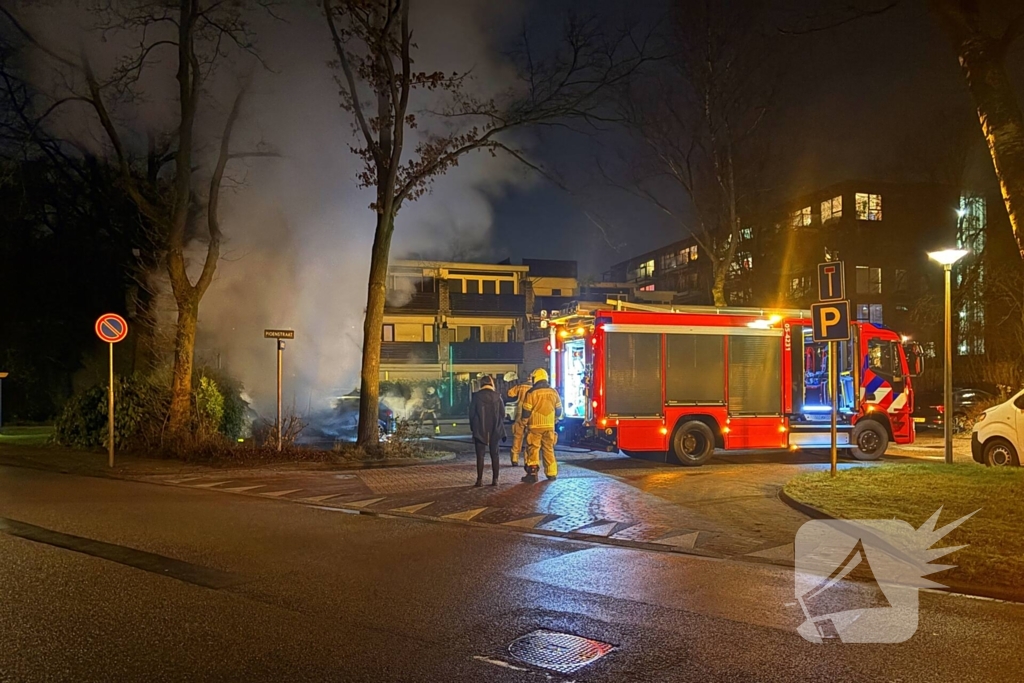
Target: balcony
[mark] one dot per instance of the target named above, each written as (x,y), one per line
(488,304)
(487,352)
(414,302)
(551,303)
(408,352)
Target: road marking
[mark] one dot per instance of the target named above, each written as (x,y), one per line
(781,552)
(363,503)
(465,515)
(598,530)
(685,541)
(320,499)
(526,522)
(210,485)
(239,489)
(412,508)
(182,481)
(278,494)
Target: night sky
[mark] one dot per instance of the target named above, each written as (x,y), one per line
(875,98)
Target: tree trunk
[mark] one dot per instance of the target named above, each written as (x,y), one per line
(376,293)
(184,353)
(1001,122)
(982,59)
(718,287)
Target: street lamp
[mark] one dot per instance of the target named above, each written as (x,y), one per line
(947,257)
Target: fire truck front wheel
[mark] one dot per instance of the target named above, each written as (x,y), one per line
(869,440)
(693,443)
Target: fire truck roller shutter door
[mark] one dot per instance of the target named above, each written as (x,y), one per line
(694,368)
(633,374)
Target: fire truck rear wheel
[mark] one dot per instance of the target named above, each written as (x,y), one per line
(869,440)
(693,443)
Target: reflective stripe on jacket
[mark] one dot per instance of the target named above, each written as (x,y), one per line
(542,407)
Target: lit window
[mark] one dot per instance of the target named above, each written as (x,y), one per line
(970,275)
(869,280)
(684,257)
(869,206)
(668,261)
(387,333)
(832,209)
(693,253)
(746,233)
(647,288)
(800,217)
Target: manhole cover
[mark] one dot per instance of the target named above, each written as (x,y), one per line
(560,652)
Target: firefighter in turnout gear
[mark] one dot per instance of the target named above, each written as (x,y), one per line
(518,393)
(541,409)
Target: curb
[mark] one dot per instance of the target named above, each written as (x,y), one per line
(950,587)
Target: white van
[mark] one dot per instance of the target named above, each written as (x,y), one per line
(999,434)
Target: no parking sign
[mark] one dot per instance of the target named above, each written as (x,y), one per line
(111,328)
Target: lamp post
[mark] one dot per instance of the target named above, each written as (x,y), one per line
(947,257)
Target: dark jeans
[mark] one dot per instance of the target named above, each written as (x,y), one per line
(481,450)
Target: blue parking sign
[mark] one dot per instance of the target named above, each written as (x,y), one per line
(831,321)
(831,282)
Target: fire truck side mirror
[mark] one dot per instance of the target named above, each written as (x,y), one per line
(915,358)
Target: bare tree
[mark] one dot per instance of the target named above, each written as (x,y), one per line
(983,33)
(697,122)
(162,182)
(373,41)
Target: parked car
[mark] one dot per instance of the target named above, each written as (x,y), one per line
(928,408)
(998,435)
(347,409)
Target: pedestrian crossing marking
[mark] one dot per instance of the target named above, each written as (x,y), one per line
(210,484)
(781,552)
(320,499)
(598,530)
(526,522)
(465,515)
(239,489)
(684,541)
(413,508)
(363,503)
(278,494)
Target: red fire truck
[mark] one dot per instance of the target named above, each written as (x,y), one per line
(676,383)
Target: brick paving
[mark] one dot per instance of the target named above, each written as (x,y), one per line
(728,508)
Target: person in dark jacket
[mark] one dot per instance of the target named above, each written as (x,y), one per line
(487,422)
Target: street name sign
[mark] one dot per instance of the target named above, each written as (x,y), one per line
(831,281)
(279,334)
(831,321)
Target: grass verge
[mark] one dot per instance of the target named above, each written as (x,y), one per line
(994,555)
(26,436)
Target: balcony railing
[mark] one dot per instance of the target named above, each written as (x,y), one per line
(409,352)
(416,301)
(511,304)
(487,352)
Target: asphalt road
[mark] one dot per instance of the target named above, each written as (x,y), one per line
(106,580)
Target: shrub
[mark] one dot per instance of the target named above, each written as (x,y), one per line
(140,409)
(209,407)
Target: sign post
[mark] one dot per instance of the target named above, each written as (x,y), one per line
(2,375)
(111,328)
(280,336)
(830,322)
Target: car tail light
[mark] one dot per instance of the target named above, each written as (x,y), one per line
(941,409)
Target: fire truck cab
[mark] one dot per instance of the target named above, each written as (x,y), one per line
(677,383)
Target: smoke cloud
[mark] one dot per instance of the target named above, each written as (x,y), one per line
(299,230)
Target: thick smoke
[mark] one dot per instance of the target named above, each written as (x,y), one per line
(297,229)
(300,231)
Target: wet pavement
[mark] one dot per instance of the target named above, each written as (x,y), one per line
(112,580)
(728,508)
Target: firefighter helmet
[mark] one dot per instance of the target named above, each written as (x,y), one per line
(539,375)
